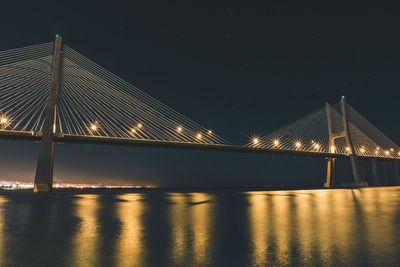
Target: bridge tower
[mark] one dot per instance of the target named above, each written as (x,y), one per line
(44,169)
(396,165)
(352,154)
(332,136)
(330,170)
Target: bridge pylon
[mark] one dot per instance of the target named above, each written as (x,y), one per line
(44,169)
(396,165)
(330,170)
(345,133)
(349,142)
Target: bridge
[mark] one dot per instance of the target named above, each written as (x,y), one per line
(52,94)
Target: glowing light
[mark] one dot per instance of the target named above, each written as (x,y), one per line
(362,150)
(133,130)
(93,127)
(376,151)
(199,136)
(209,132)
(276,142)
(347,148)
(3,120)
(179,129)
(399,153)
(386,153)
(298,144)
(256,140)
(139,125)
(377,148)
(333,149)
(317,146)
(392,149)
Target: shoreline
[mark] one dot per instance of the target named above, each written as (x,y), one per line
(183,189)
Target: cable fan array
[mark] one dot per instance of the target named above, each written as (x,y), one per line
(24,84)
(95,102)
(311,133)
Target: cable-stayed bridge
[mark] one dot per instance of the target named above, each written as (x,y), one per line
(52,94)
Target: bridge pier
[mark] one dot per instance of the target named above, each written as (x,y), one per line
(330,173)
(330,168)
(375,176)
(385,173)
(396,165)
(44,168)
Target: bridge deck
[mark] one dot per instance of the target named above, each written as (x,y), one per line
(100,140)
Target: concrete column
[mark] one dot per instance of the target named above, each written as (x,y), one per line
(396,165)
(330,173)
(385,173)
(330,169)
(352,155)
(375,176)
(44,169)
(363,173)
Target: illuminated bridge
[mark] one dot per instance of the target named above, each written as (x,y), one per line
(52,94)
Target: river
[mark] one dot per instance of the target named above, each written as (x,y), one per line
(338,227)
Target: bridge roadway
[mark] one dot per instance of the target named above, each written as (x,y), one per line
(100,140)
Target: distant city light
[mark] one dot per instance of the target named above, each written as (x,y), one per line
(209,132)
(392,149)
(179,129)
(362,150)
(13,185)
(139,125)
(256,140)
(93,127)
(386,153)
(297,144)
(3,120)
(133,131)
(317,146)
(199,136)
(276,142)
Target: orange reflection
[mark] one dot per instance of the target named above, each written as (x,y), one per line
(202,218)
(179,232)
(130,242)
(341,224)
(280,213)
(258,214)
(305,223)
(85,250)
(380,213)
(191,217)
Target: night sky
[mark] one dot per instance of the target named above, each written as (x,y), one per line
(235,70)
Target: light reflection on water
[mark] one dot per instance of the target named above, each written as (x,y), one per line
(280,228)
(85,249)
(190,219)
(130,241)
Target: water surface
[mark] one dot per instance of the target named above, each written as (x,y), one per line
(222,228)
